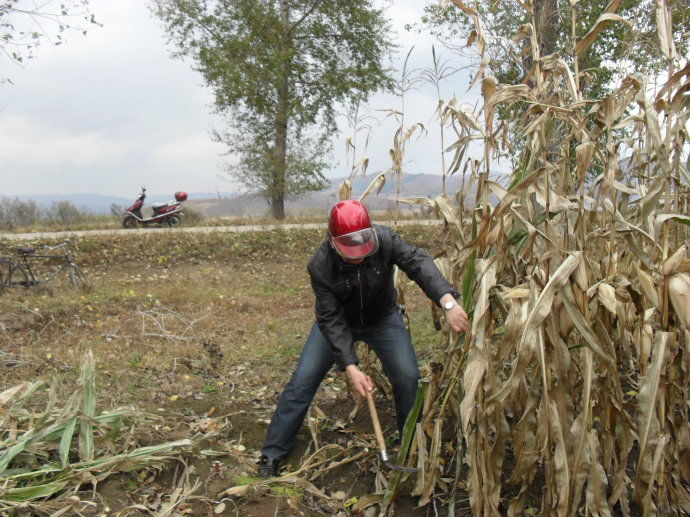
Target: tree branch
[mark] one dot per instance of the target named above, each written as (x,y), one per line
(196,19)
(325,36)
(304,16)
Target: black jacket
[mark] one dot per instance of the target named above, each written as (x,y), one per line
(358,296)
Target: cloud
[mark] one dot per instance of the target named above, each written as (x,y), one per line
(110,111)
(186,149)
(422,151)
(32,144)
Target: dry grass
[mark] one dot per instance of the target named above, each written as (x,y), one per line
(48,452)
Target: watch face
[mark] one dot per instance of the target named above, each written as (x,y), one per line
(449,305)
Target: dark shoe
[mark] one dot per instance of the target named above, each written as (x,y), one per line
(268,467)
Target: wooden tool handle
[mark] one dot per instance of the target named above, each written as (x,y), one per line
(375,422)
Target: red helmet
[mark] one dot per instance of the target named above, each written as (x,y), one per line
(351,233)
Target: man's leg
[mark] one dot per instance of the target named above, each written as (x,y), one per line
(314,362)
(391,343)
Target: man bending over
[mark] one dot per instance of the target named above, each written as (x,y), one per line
(352,278)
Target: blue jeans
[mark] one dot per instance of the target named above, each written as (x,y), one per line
(391,343)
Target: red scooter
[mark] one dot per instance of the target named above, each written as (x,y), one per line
(169,213)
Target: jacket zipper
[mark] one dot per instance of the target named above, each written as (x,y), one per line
(361,299)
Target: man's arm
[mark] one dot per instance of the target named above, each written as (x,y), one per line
(331,320)
(420,267)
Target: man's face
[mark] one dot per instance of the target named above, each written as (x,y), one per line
(353,247)
(346,259)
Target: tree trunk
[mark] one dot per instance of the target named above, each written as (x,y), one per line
(281,121)
(547,25)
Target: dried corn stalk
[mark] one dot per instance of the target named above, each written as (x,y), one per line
(570,391)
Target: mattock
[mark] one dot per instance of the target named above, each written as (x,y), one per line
(379,438)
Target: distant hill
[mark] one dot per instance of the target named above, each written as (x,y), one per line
(99,203)
(226,204)
(250,205)
(93,202)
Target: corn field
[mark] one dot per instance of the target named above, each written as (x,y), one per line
(568,395)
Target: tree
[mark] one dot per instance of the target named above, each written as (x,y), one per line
(279,70)
(23,28)
(633,46)
(620,49)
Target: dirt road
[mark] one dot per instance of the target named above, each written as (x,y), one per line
(194,229)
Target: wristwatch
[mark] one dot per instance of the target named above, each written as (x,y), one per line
(449,305)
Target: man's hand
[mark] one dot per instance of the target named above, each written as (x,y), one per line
(361,382)
(457,319)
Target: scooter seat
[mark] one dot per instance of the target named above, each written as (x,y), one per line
(156,206)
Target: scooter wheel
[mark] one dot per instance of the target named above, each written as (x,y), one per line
(129,222)
(173,221)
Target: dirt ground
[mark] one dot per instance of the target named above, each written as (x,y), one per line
(203,330)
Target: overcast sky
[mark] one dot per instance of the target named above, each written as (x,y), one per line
(112,111)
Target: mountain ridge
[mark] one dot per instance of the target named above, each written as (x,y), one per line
(223,204)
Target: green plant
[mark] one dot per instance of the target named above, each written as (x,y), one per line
(209,387)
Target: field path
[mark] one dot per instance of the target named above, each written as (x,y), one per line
(197,229)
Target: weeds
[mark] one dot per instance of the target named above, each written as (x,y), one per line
(25,215)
